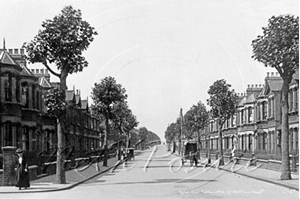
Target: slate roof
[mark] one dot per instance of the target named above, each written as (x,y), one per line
(250,98)
(5,58)
(275,85)
(84,104)
(44,82)
(26,72)
(70,95)
(242,101)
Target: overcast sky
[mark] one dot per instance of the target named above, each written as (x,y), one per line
(165,53)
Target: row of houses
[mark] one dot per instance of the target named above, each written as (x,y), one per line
(23,120)
(256,126)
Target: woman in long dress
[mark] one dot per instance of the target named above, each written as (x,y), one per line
(22,173)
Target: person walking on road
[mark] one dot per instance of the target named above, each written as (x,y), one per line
(22,173)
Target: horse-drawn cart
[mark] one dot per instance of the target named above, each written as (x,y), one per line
(190,153)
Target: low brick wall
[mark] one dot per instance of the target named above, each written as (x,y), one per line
(274,165)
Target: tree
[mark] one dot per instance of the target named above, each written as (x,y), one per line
(172,134)
(196,119)
(278,48)
(104,95)
(143,132)
(222,101)
(61,42)
(123,119)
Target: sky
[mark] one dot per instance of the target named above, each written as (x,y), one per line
(165,53)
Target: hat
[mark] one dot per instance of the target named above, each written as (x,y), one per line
(19,151)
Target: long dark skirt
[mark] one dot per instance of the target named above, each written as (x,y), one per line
(22,177)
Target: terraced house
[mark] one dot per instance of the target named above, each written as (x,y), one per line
(23,120)
(255,129)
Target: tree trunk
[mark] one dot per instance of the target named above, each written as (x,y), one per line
(199,141)
(285,167)
(208,151)
(60,159)
(220,143)
(107,132)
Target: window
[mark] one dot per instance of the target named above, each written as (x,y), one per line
(38,100)
(8,138)
(242,116)
(8,87)
(290,97)
(264,141)
(233,120)
(264,109)
(25,95)
(250,119)
(296,100)
(258,112)
(25,138)
(18,90)
(33,96)
(37,70)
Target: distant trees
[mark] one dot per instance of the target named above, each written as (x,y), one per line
(61,42)
(123,119)
(105,94)
(196,120)
(222,101)
(278,48)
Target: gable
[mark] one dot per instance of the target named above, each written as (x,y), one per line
(5,58)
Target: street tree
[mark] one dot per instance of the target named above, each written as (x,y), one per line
(104,95)
(61,42)
(278,48)
(172,134)
(196,119)
(222,101)
(142,135)
(123,119)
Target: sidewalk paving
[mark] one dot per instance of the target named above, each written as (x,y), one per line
(74,177)
(266,175)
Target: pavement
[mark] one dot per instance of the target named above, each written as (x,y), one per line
(78,176)
(74,177)
(255,172)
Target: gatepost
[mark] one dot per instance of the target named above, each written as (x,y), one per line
(9,172)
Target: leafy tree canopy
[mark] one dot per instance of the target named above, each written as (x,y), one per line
(222,100)
(196,118)
(105,94)
(61,41)
(123,119)
(278,47)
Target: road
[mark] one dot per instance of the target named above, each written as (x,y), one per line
(156,174)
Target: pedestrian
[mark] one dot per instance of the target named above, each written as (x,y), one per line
(195,159)
(22,173)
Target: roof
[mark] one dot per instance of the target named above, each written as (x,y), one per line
(26,72)
(70,95)
(6,58)
(275,85)
(250,98)
(242,101)
(44,82)
(84,104)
